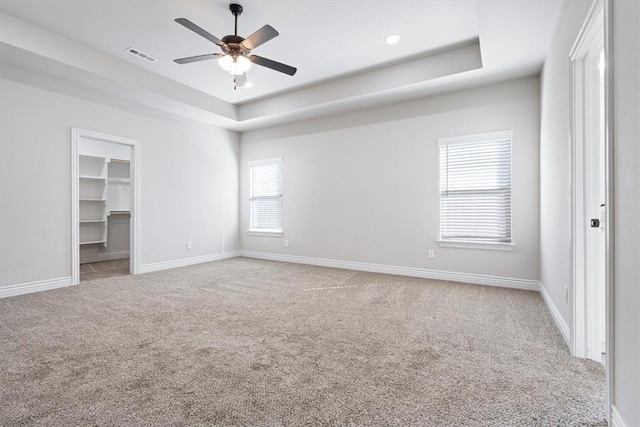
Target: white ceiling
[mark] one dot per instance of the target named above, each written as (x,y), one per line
(328,41)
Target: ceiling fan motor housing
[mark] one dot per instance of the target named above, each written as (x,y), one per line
(232,45)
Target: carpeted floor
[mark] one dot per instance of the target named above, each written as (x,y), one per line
(104,269)
(248,342)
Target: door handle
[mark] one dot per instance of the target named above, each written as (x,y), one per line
(595,223)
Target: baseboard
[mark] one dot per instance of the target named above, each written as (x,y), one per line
(166,265)
(46,285)
(557,317)
(478,279)
(616,418)
(105,257)
(28,288)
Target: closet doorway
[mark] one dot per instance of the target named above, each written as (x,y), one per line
(105,197)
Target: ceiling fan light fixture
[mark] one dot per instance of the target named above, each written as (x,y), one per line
(225,62)
(240,65)
(392,39)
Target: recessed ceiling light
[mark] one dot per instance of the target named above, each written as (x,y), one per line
(248,85)
(392,39)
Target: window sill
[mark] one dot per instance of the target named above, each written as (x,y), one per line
(265,232)
(492,246)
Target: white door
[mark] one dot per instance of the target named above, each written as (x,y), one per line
(595,203)
(588,190)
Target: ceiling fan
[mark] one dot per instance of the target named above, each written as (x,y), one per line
(235,57)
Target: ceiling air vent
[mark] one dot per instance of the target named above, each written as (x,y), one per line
(142,55)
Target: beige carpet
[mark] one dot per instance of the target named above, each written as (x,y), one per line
(104,269)
(247,342)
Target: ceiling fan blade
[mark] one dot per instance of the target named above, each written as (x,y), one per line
(261,36)
(283,68)
(191,59)
(193,27)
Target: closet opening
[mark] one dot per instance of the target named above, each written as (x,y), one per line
(103,209)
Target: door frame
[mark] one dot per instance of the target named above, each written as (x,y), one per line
(598,23)
(588,42)
(134,238)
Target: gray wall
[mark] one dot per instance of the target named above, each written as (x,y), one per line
(626,69)
(555,158)
(189,183)
(363,186)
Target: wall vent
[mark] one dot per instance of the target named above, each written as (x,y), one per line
(142,55)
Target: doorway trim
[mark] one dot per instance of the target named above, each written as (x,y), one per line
(134,238)
(589,38)
(610,284)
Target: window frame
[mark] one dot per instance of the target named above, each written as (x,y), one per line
(272,232)
(471,243)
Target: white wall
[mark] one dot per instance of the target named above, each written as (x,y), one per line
(626,70)
(189,183)
(363,186)
(555,158)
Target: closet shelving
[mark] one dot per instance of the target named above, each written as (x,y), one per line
(93,179)
(119,187)
(104,192)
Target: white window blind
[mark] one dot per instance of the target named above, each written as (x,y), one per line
(475,190)
(266,195)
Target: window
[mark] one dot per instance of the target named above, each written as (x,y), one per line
(475,191)
(265,197)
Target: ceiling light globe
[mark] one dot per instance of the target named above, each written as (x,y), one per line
(225,62)
(244,63)
(240,65)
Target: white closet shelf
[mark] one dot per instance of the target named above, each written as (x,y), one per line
(121,180)
(93,242)
(91,221)
(93,200)
(97,178)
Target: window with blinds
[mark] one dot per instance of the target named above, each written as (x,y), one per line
(266,195)
(475,188)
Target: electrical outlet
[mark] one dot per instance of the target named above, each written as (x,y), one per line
(432,253)
(286,243)
(189,246)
